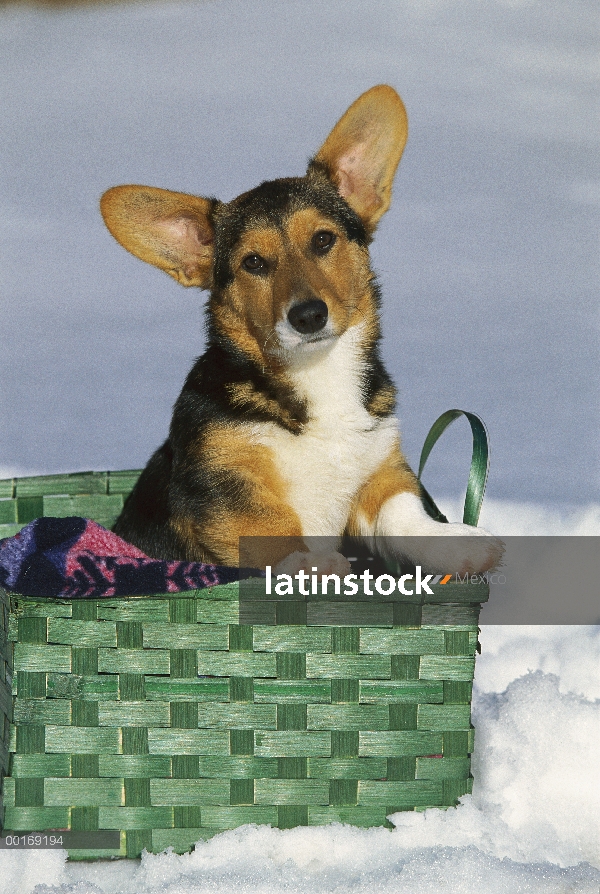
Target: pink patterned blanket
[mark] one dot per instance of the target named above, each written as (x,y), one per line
(76,558)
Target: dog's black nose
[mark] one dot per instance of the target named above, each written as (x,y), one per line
(310,316)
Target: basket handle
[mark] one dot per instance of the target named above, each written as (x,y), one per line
(478,473)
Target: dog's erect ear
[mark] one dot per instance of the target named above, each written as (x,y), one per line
(171,230)
(362,152)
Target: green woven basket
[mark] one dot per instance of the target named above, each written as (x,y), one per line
(164,718)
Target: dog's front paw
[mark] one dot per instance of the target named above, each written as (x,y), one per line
(325,563)
(455,549)
(472,549)
(406,531)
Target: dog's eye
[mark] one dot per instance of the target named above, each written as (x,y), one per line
(322,241)
(254,264)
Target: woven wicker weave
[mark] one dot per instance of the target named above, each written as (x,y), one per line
(165,718)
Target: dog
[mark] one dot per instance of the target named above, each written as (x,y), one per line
(285,426)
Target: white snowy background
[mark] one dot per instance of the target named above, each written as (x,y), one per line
(488,266)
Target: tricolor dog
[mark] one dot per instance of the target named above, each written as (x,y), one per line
(285,425)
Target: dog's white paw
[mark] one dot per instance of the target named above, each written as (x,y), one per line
(325,562)
(409,533)
(455,549)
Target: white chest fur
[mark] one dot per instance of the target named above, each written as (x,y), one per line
(341,445)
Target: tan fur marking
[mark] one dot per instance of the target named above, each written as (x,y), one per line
(393,476)
(382,403)
(228,527)
(257,509)
(246,312)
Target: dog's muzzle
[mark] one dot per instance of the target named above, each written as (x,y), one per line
(309,316)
